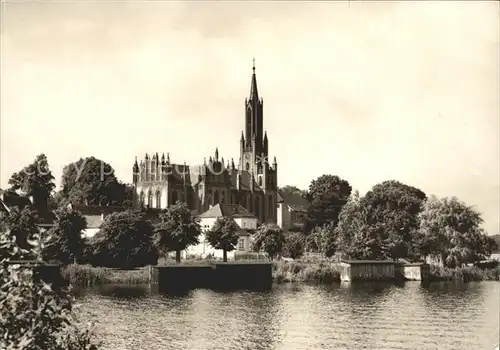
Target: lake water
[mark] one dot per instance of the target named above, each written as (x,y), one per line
(369,316)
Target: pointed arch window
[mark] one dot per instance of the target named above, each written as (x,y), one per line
(216,197)
(174,197)
(141,198)
(158,199)
(150,199)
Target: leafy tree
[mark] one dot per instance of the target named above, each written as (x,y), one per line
(269,238)
(452,230)
(327,195)
(178,229)
(293,190)
(35,180)
(223,235)
(294,245)
(351,222)
(92,181)
(322,240)
(66,243)
(22,225)
(33,315)
(392,209)
(125,240)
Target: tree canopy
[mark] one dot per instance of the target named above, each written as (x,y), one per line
(66,244)
(327,195)
(293,190)
(269,238)
(452,230)
(92,181)
(223,235)
(391,209)
(21,224)
(178,229)
(125,240)
(294,245)
(35,180)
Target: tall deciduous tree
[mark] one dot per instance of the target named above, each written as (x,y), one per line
(125,240)
(67,243)
(327,195)
(178,229)
(269,238)
(35,180)
(92,181)
(451,230)
(392,209)
(223,235)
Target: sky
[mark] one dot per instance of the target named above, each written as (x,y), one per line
(368,91)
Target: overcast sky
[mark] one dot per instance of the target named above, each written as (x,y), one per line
(367,91)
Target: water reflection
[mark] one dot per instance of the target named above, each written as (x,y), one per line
(294,316)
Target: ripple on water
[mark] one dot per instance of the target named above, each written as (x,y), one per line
(371,316)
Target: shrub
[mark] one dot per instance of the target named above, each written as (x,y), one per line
(34,316)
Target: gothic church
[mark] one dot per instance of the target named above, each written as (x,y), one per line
(252,182)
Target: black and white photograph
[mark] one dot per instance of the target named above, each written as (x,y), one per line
(249,175)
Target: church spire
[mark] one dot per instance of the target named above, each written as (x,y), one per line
(254,94)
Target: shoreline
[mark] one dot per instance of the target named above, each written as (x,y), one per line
(283,272)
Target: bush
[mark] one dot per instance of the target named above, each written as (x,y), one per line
(34,316)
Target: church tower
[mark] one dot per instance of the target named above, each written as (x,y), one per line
(253,142)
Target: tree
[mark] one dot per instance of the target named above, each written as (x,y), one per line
(452,230)
(33,315)
(67,243)
(35,180)
(269,238)
(178,229)
(392,209)
(294,245)
(125,240)
(322,240)
(22,225)
(293,190)
(223,235)
(327,195)
(92,181)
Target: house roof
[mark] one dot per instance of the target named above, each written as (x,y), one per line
(293,201)
(231,210)
(10,200)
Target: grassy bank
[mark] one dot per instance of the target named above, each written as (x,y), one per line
(306,272)
(283,272)
(85,275)
(465,274)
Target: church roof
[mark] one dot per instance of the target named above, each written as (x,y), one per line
(231,210)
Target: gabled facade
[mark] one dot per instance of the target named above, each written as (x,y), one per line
(245,220)
(250,182)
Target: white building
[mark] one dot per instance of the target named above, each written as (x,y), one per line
(94,215)
(245,220)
